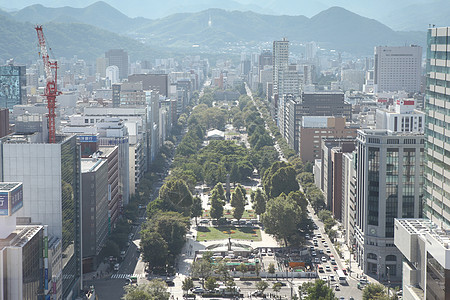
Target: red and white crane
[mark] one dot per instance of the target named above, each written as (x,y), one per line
(51,89)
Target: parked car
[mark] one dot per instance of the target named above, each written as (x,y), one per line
(324,259)
(198,290)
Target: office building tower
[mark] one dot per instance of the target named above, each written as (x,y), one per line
(332,150)
(310,51)
(111,155)
(314,104)
(437,168)
(154,82)
(398,68)
(100,66)
(349,197)
(280,60)
(94,177)
(400,117)
(13,81)
(389,186)
(51,194)
(424,243)
(112,75)
(119,58)
(265,59)
(4,122)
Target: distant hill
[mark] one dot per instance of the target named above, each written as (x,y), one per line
(334,28)
(99,14)
(19,41)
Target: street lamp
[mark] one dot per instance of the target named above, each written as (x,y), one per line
(389,281)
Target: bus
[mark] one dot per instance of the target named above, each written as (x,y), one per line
(320,268)
(341,277)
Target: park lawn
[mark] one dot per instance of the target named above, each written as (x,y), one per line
(224,232)
(248,214)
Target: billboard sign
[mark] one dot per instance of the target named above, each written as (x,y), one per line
(16,199)
(4,204)
(87,138)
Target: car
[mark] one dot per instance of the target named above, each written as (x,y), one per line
(281,283)
(170,282)
(316,244)
(258,294)
(335,268)
(327,268)
(311,248)
(324,278)
(307,236)
(344,270)
(203,221)
(323,241)
(316,260)
(328,250)
(331,277)
(116,267)
(198,290)
(324,259)
(336,287)
(122,253)
(342,298)
(332,260)
(321,251)
(313,253)
(325,244)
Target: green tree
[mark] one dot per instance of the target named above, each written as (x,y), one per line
(283,181)
(202,268)
(375,292)
(320,290)
(172,227)
(238,203)
(277,287)
(154,249)
(235,176)
(306,177)
(222,270)
(177,193)
(187,284)
(259,201)
(196,209)
(262,286)
(242,268)
(216,208)
(271,268)
(210,284)
(282,218)
(155,289)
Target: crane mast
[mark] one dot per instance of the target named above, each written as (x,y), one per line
(51,89)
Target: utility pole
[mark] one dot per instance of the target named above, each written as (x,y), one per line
(389,281)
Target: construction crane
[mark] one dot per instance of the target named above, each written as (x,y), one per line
(51,89)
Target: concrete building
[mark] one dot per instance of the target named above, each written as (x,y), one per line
(4,122)
(389,186)
(401,117)
(13,83)
(349,197)
(112,75)
(128,95)
(315,128)
(101,64)
(154,82)
(119,58)
(331,171)
(94,176)
(426,264)
(111,155)
(313,104)
(51,194)
(280,60)
(424,243)
(437,168)
(398,68)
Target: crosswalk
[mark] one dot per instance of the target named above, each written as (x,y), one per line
(123,276)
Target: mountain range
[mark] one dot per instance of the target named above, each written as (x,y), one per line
(398,14)
(98,27)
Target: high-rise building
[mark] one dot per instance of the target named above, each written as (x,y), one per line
(398,68)
(119,58)
(112,75)
(154,82)
(4,122)
(424,243)
(13,81)
(94,176)
(280,61)
(51,194)
(389,186)
(265,59)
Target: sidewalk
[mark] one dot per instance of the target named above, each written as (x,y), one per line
(102,272)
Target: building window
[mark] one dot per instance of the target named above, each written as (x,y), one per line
(371,256)
(391,258)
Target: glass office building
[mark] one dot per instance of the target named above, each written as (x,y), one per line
(13,83)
